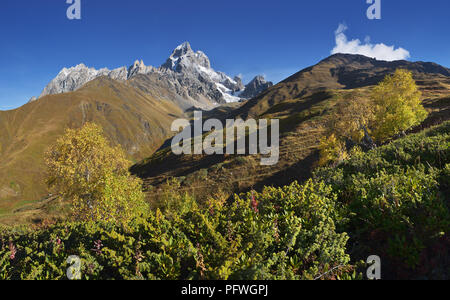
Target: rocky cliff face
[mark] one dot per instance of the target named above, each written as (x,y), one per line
(139,68)
(183,59)
(193,71)
(255,87)
(185,72)
(71,79)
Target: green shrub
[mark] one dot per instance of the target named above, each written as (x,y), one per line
(403,212)
(395,203)
(289,233)
(286,233)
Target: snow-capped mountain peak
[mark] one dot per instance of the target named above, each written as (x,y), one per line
(182,49)
(189,73)
(197,66)
(183,58)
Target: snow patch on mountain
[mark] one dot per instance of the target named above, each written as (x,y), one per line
(189,72)
(227,94)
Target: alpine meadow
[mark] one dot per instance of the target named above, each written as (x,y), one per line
(307,163)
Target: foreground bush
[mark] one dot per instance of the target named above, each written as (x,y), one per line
(395,202)
(392,201)
(286,233)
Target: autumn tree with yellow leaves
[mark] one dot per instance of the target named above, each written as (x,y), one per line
(393,107)
(397,105)
(82,167)
(352,119)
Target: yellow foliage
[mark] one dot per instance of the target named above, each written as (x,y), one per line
(172,202)
(397,105)
(351,117)
(394,106)
(84,168)
(356,151)
(331,150)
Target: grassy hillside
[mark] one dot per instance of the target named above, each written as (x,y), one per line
(301,132)
(392,201)
(302,122)
(345,72)
(131,118)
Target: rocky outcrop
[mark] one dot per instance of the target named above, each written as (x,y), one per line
(239,82)
(71,79)
(139,68)
(256,87)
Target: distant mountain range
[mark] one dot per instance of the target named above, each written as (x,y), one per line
(136,106)
(186,73)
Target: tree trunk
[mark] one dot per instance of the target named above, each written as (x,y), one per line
(368,141)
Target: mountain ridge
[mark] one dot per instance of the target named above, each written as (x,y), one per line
(129,117)
(343,71)
(303,103)
(137,114)
(189,73)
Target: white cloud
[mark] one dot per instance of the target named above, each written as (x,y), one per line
(378,51)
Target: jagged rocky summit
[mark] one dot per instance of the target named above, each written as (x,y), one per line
(185,72)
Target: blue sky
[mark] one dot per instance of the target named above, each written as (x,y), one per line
(248,37)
